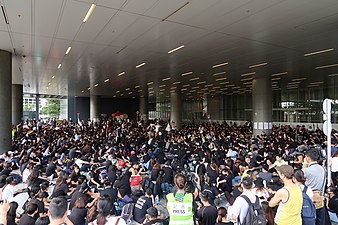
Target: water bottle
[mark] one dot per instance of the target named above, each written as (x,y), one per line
(156,200)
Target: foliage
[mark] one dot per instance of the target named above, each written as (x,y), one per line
(29,107)
(52,108)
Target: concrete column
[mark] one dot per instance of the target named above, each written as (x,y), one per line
(94,108)
(5,100)
(262,105)
(176,109)
(144,108)
(17,103)
(37,107)
(214,107)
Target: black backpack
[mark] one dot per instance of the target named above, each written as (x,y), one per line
(255,214)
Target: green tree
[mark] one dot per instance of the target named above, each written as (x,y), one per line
(52,108)
(28,107)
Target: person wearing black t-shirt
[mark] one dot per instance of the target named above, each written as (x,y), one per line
(222,217)
(152,217)
(28,217)
(122,184)
(206,215)
(141,206)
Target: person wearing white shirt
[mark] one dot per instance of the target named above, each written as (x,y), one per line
(240,207)
(8,190)
(334,167)
(300,179)
(26,173)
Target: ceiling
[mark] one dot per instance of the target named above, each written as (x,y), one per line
(121,34)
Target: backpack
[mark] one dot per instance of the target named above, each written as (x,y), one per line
(308,209)
(147,183)
(127,212)
(255,214)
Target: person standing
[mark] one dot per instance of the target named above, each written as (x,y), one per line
(240,207)
(207,215)
(289,199)
(316,179)
(180,203)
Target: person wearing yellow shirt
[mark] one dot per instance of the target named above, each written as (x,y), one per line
(289,199)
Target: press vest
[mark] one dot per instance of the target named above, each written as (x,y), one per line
(180,212)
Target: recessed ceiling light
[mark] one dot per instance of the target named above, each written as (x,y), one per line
(130,92)
(202,82)
(47,87)
(327,66)
(247,83)
(186,85)
(163,85)
(150,88)
(173,87)
(295,82)
(245,79)
(220,73)
(175,49)
(221,64)
(53,77)
(319,52)
(334,74)
(114,96)
(185,74)
(184,89)
(117,92)
(208,85)
(59,66)
(226,82)
(68,50)
(277,74)
(318,82)
(313,85)
(248,74)
(165,79)
(120,74)
(49,83)
(196,78)
(258,65)
(139,65)
(121,94)
(219,79)
(106,80)
(276,78)
(88,88)
(195,87)
(150,83)
(137,86)
(96,85)
(299,79)
(177,82)
(90,11)
(127,89)
(82,91)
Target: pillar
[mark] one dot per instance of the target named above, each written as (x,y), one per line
(37,107)
(5,100)
(176,109)
(94,108)
(17,103)
(262,105)
(143,108)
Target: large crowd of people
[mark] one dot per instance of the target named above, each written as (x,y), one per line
(118,171)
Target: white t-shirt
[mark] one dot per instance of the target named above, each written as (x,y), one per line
(25,175)
(334,165)
(240,206)
(111,220)
(309,191)
(8,193)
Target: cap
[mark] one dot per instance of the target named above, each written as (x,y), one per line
(286,170)
(152,211)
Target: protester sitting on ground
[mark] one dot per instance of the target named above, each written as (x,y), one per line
(104,216)
(152,218)
(142,205)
